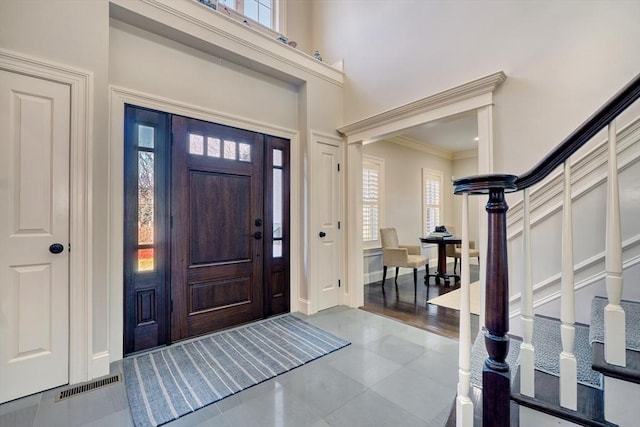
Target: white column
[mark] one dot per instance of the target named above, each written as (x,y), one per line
(464,405)
(568,364)
(485,166)
(353,226)
(614,322)
(527,351)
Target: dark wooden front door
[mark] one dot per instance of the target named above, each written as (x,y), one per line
(217,227)
(206,227)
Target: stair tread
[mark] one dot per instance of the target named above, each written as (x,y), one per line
(479,355)
(590,411)
(548,346)
(632,317)
(630,373)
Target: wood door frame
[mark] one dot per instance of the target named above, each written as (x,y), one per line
(120,96)
(83,363)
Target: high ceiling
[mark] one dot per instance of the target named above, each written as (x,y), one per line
(455,133)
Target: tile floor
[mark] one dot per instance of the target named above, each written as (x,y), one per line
(391,375)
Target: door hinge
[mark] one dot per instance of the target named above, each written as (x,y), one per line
(171,306)
(338,282)
(338,225)
(338,167)
(171,221)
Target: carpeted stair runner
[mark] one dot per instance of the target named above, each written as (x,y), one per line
(548,346)
(632,317)
(479,355)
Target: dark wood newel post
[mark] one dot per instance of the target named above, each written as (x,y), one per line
(496,376)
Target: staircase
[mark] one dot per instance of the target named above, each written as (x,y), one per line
(561,372)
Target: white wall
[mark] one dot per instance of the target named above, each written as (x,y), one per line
(403,196)
(153,64)
(403,187)
(562,59)
(299,24)
(282,91)
(75,34)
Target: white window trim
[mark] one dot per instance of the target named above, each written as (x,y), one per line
(379,162)
(430,173)
(278,18)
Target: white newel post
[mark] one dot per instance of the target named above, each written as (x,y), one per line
(527,352)
(464,405)
(568,364)
(614,322)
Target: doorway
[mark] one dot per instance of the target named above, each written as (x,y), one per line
(206,232)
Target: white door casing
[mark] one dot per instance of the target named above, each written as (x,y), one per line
(326,213)
(35,119)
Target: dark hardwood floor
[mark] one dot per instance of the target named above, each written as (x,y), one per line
(399,303)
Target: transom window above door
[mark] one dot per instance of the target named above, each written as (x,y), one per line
(219,148)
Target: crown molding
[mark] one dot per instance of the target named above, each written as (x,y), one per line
(466,154)
(467,91)
(415,144)
(194,24)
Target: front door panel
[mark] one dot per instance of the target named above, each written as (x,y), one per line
(216,234)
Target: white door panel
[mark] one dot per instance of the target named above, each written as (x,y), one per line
(327,208)
(34,213)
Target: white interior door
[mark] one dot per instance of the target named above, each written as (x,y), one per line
(327,211)
(34,214)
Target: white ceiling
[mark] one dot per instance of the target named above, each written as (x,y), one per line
(455,133)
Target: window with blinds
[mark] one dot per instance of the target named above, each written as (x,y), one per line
(372,183)
(431,208)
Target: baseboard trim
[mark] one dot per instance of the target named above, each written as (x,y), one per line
(304,306)
(100,364)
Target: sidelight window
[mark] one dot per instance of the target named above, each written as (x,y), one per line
(146,227)
(146,197)
(278,202)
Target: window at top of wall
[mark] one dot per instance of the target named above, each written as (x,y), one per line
(260,11)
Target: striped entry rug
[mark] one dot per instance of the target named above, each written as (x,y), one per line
(170,382)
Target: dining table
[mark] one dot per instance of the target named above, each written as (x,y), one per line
(441,270)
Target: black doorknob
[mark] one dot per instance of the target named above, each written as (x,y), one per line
(322,234)
(257,235)
(56,248)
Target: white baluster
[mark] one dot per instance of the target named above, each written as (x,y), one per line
(614,322)
(568,365)
(527,351)
(464,405)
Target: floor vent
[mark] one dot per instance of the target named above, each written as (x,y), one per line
(87,387)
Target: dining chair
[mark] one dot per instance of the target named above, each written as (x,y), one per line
(396,255)
(455,251)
